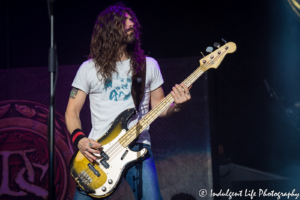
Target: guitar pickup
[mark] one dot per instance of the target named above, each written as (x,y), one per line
(104,155)
(104,163)
(92,168)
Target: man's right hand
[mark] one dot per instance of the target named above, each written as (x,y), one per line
(88,146)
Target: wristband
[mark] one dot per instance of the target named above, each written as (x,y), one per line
(76,136)
(177,107)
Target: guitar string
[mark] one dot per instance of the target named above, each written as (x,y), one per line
(117,150)
(189,80)
(198,72)
(195,75)
(131,132)
(130,138)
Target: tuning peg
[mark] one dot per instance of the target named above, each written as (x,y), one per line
(217,45)
(209,49)
(202,54)
(224,40)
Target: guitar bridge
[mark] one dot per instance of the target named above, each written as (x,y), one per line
(84,179)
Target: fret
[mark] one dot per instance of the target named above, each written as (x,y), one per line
(137,129)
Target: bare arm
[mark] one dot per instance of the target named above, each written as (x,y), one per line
(76,101)
(180,95)
(86,146)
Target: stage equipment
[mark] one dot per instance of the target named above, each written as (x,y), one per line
(288,111)
(53,65)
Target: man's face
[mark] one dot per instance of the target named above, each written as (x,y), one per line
(129,29)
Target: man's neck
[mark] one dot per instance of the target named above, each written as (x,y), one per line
(124,54)
(124,57)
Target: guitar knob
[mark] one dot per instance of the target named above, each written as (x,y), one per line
(110,181)
(216,44)
(209,49)
(202,54)
(103,188)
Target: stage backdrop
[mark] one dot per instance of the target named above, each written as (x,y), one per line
(181,143)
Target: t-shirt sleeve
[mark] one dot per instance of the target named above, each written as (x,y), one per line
(80,80)
(156,76)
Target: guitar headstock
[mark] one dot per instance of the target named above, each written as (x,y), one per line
(214,59)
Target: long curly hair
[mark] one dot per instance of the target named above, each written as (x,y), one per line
(109,38)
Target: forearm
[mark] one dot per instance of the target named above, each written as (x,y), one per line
(72,121)
(170,111)
(85,145)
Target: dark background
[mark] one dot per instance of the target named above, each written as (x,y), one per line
(253,128)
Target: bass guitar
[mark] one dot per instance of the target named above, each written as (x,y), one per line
(101,178)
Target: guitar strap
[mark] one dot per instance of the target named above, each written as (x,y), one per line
(138,87)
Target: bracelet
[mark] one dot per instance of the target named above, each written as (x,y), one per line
(176,107)
(76,136)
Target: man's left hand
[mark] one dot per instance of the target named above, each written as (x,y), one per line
(181,94)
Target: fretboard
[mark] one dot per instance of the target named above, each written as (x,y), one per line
(138,128)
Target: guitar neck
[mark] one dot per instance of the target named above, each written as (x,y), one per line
(212,60)
(137,129)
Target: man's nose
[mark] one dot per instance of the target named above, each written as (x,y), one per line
(131,24)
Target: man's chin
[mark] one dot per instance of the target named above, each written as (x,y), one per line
(130,39)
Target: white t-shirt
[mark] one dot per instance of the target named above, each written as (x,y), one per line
(108,100)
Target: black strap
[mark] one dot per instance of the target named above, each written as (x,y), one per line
(138,87)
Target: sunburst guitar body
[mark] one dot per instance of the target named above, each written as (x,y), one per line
(101,178)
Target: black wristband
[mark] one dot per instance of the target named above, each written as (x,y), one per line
(76,136)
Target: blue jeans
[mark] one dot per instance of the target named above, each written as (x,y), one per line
(141,177)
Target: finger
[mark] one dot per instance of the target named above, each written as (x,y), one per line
(173,95)
(177,95)
(95,144)
(187,91)
(86,154)
(182,84)
(182,96)
(89,155)
(184,87)
(91,150)
(180,89)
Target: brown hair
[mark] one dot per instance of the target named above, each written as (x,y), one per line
(109,37)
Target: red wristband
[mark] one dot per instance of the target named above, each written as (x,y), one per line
(76,136)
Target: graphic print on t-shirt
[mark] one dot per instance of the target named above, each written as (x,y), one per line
(119,88)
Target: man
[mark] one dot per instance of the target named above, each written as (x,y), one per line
(115,57)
